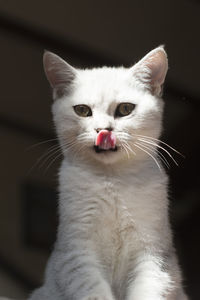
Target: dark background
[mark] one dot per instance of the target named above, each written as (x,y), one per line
(88,33)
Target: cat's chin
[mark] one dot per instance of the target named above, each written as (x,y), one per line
(100,150)
(110,156)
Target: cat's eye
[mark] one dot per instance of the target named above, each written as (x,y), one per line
(124,109)
(83,110)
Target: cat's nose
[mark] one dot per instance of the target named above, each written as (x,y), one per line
(107,128)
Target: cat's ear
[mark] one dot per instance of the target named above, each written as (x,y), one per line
(151,70)
(59,73)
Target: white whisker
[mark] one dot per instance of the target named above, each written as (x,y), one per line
(154,139)
(155,144)
(49,155)
(50,152)
(125,148)
(82,136)
(155,151)
(41,143)
(125,145)
(128,146)
(78,151)
(124,134)
(53,160)
(68,145)
(155,160)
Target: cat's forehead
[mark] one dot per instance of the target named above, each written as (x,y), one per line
(98,85)
(103,74)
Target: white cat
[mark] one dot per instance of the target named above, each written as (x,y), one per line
(114,239)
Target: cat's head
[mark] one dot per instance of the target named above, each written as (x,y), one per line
(105,114)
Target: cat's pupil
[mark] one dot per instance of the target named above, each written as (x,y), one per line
(126,108)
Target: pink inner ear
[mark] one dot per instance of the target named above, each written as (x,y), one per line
(58,72)
(158,65)
(152,69)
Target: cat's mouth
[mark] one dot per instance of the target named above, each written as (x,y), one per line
(105,141)
(99,150)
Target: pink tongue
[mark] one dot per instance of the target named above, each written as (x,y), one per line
(105,140)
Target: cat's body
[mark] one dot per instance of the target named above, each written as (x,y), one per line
(114,240)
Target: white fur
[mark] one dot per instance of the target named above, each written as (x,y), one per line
(114,240)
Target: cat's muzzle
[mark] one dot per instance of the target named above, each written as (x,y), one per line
(105,141)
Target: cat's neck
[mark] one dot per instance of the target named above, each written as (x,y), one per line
(122,168)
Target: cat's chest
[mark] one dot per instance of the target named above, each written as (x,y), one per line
(127,210)
(114,230)
(111,209)
(114,221)
(119,203)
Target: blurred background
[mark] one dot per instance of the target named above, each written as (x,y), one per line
(88,33)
